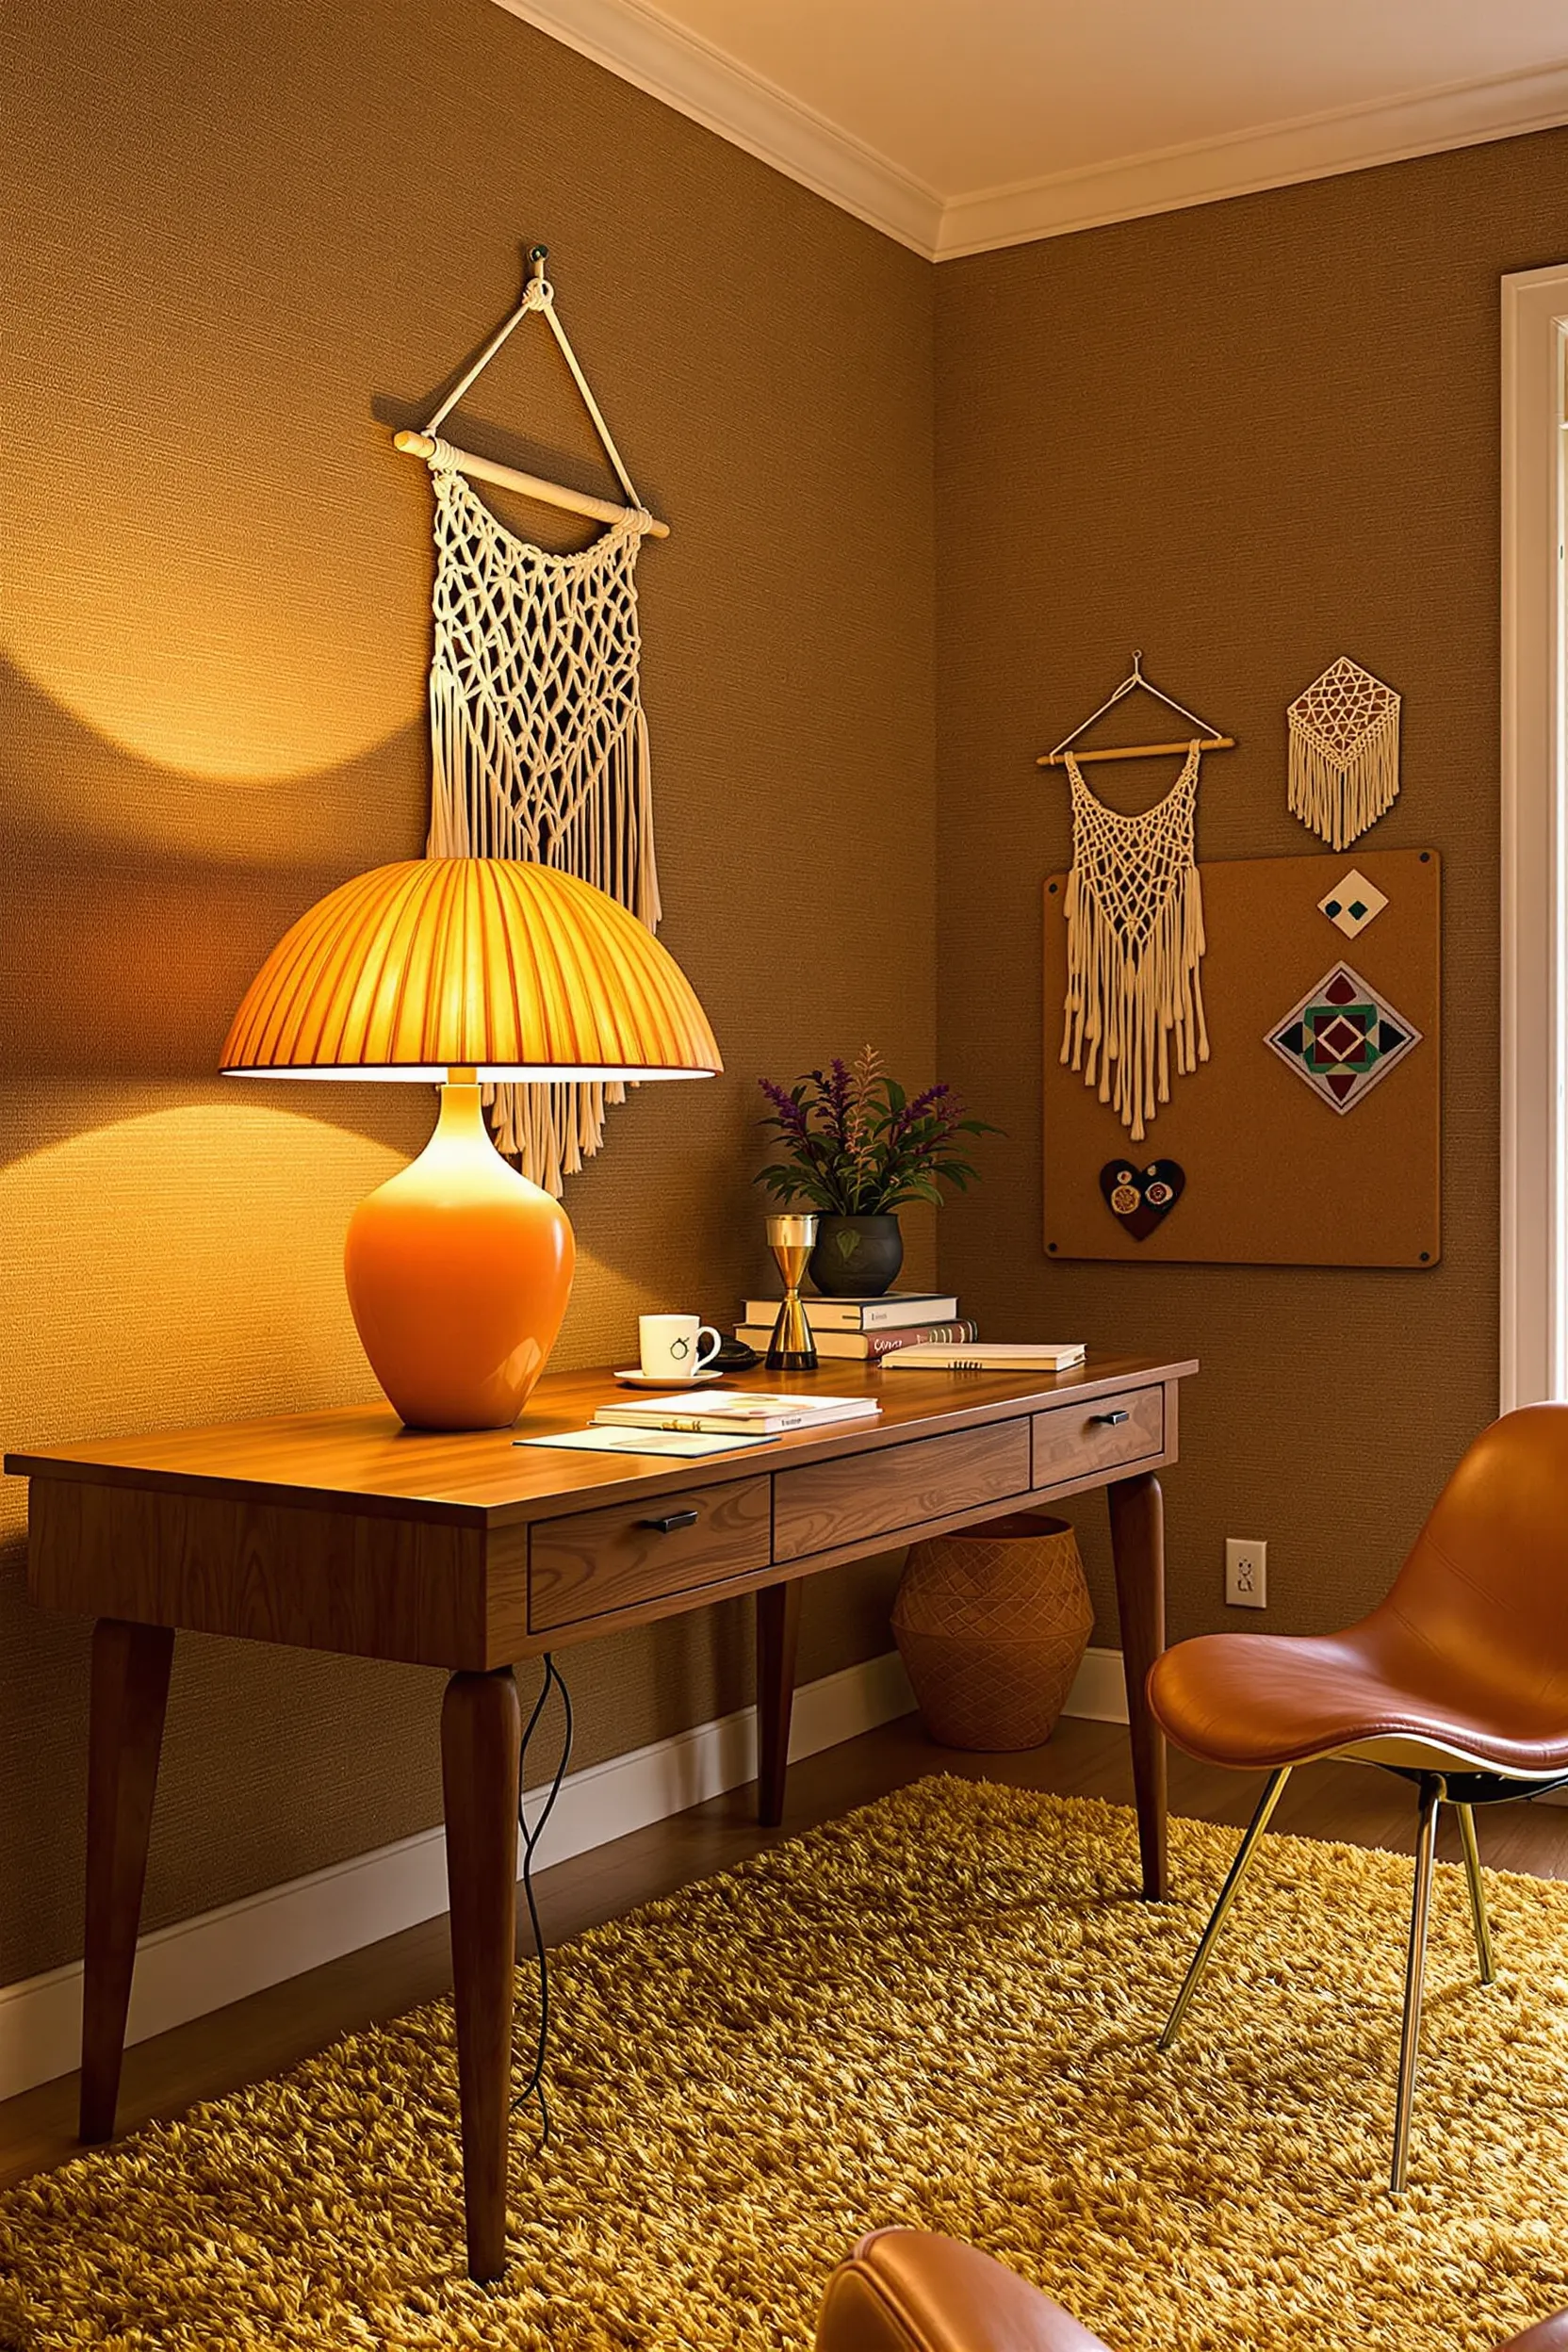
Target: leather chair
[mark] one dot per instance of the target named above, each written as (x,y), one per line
(904,2291)
(1458,1681)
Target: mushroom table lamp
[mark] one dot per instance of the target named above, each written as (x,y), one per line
(455,972)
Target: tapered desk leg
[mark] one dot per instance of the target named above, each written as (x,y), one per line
(129,1697)
(481,1738)
(1138,1540)
(778,1634)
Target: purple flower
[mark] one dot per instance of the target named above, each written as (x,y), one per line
(928,1101)
(790,1113)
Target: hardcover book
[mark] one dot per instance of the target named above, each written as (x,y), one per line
(860,1347)
(886,1314)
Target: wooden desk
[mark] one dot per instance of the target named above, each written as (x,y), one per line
(343,1531)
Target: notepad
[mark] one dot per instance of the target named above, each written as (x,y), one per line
(683,1442)
(737,1409)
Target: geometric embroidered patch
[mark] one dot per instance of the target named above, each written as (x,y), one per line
(1343,1038)
(1353,903)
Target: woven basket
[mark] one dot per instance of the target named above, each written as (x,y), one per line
(992,1625)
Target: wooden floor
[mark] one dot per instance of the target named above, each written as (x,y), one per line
(275,2028)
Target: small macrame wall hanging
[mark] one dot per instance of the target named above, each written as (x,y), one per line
(1343,752)
(1134,1014)
(538,743)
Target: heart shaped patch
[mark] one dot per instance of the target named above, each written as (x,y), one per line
(1141,1198)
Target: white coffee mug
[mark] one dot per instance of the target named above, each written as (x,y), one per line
(672,1345)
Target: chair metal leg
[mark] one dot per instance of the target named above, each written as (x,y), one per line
(1477,1891)
(1415,1968)
(1259,1823)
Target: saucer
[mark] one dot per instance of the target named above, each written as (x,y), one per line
(633,1378)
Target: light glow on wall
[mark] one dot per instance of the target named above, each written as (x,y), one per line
(181,1265)
(184,1265)
(243,637)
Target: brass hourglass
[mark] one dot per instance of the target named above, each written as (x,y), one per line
(791,1347)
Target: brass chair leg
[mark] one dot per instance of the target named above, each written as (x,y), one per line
(1259,1823)
(1477,1891)
(1416,1967)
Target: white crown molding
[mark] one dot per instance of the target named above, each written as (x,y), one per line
(645,48)
(1311,147)
(698,80)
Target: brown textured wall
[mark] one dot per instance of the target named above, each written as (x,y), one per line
(240,242)
(1246,438)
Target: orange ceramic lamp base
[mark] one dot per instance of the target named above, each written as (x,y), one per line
(458,1272)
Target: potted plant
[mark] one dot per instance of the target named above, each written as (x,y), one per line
(857,1147)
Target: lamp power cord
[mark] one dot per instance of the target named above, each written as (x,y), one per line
(534,2088)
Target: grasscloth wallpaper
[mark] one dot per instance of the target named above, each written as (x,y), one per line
(1245,438)
(241,243)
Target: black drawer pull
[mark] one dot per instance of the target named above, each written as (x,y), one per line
(1107,1420)
(674,1519)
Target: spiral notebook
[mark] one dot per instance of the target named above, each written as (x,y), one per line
(987,1355)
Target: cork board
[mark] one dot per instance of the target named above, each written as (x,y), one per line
(1276,1174)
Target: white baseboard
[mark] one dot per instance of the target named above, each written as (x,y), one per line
(204,1963)
(1099,1693)
(220,1956)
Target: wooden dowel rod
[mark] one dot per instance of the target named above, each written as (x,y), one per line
(530,485)
(1137,751)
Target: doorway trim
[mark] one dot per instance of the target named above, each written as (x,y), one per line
(1534,1259)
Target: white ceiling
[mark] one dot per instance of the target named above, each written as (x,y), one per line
(959,125)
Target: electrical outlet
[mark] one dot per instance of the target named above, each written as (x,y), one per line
(1246,1572)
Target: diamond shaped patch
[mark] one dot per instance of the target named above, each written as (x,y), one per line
(1343,1037)
(1353,903)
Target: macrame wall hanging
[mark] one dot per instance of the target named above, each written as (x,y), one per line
(539,748)
(1135,925)
(1343,752)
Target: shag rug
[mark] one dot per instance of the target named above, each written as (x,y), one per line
(939,2011)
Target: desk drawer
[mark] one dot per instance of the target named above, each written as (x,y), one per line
(597,1561)
(895,1487)
(1075,1441)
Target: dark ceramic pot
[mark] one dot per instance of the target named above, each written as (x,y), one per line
(856,1257)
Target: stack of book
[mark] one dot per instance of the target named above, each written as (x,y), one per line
(865,1330)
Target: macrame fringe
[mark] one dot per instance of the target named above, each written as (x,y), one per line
(606,838)
(1339,795)
(1134,944)
(1129,1008)
(540,751)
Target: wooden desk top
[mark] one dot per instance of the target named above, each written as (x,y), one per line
(360,1458)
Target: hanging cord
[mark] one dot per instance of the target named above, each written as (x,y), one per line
(539,295)
(1129,685)
(534,2087)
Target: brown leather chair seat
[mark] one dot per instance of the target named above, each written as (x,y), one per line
(1457,1680)
(1468,1652)
(908,2291)
(1256,1699)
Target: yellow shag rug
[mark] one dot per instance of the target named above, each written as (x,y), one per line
(939,2011)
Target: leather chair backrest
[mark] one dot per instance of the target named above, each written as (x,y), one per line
(1486,1582)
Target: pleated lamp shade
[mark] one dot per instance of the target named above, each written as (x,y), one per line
(514,970)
